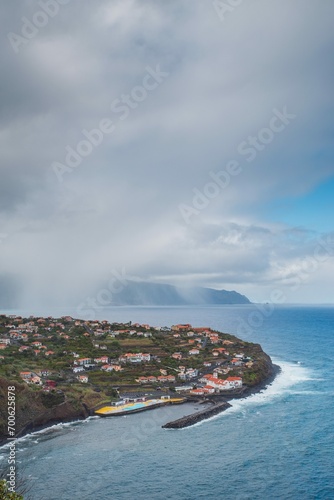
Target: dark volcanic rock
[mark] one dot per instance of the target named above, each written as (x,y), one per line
(33,411)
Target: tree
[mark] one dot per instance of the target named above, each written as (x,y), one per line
(5,494)
(22,487)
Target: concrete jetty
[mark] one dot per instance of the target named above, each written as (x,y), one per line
(197,417)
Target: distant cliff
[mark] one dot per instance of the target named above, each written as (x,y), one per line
(156,294)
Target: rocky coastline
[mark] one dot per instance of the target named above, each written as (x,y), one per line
(33,416)
(38,419)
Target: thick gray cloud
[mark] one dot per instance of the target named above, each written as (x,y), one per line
(120,207)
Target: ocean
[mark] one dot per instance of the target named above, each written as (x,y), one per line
(277,444)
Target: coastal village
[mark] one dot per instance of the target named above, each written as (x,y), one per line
(56,355)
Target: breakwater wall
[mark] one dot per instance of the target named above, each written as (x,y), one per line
(197,417)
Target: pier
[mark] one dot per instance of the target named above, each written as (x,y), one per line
(197,417)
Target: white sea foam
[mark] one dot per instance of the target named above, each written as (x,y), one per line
(291,375)
(33,436)
(52,429)
(304,393)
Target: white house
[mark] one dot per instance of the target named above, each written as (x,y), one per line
(183,388)
(78,369)
(107,368)
(193,352)
(83,361)
(103,359)
(135,358)
(221,384)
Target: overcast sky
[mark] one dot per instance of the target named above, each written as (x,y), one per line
(214,165)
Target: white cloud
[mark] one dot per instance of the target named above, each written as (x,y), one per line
(120,206)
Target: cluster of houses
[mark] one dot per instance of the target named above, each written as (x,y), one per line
(82,364)
(187,373)
(214,384)
(135,358)
(190,342)
(152,380)
(105,364)
(23,331)
(39,378)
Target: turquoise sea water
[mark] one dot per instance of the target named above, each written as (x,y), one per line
(277,444)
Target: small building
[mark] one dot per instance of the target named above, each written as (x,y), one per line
(103,359)
(192,372)
(5,340)
(208,389)
(221,384)
(202,330)
(116,367)
(107,368)
(193,352)
(234,382)
(197,392)
(180,328)
(135,358)
(177,355)
(36,380)
(83,361)
(78,369)
(183,388)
